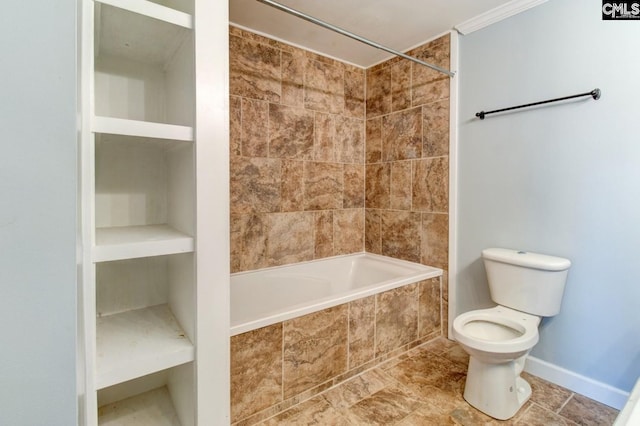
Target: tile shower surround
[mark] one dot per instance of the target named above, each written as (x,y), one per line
(316,171)
(297,154)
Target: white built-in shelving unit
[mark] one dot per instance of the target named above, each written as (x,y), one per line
(139,307)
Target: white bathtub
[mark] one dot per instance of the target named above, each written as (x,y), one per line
(268,296)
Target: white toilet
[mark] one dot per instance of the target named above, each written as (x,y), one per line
(526,286)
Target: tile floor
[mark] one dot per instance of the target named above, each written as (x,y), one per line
(424,387)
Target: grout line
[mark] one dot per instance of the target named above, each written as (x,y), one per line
(282,366)
(349,335)
(375,325)
(421,285)
(519,415)
(441,305)
(565,403)
(422,135)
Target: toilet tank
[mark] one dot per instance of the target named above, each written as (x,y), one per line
(528,282)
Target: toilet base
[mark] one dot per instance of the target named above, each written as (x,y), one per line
(496,389)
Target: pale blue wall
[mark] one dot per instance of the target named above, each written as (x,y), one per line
(38,213)
(562,180)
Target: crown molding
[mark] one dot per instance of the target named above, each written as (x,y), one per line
(495,15)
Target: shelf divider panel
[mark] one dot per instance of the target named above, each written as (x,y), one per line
(140,342)
(153,407)
(131,242)
(147,129)
(153,10)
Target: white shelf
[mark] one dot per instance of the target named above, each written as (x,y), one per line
(136,343)
(153,10)
(130,242)
(136,36)
(145,129)
(139,213)
(150,408)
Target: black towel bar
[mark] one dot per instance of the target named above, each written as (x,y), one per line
(595,93)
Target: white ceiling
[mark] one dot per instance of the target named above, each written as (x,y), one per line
(398,24)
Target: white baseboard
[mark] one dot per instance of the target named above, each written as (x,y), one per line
(575,382)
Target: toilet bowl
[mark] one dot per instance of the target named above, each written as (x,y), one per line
(526,286)
(496,334)
(497,341)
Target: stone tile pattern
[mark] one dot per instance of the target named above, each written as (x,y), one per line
(424,386)
(297,154)
(276,367)
(407,158)
(323,164)
(312,146)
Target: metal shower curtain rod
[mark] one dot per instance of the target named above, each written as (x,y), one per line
(349,34)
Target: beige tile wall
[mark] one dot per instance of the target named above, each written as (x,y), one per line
(407,159)
(297,154)
(316,172)
(305,162)
(275,367)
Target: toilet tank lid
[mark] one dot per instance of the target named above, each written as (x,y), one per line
(527,259)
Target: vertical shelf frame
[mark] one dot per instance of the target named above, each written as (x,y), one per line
(179,372)
(87,395)
(206,380)
(212,214)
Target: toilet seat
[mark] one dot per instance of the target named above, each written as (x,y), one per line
(497,330)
